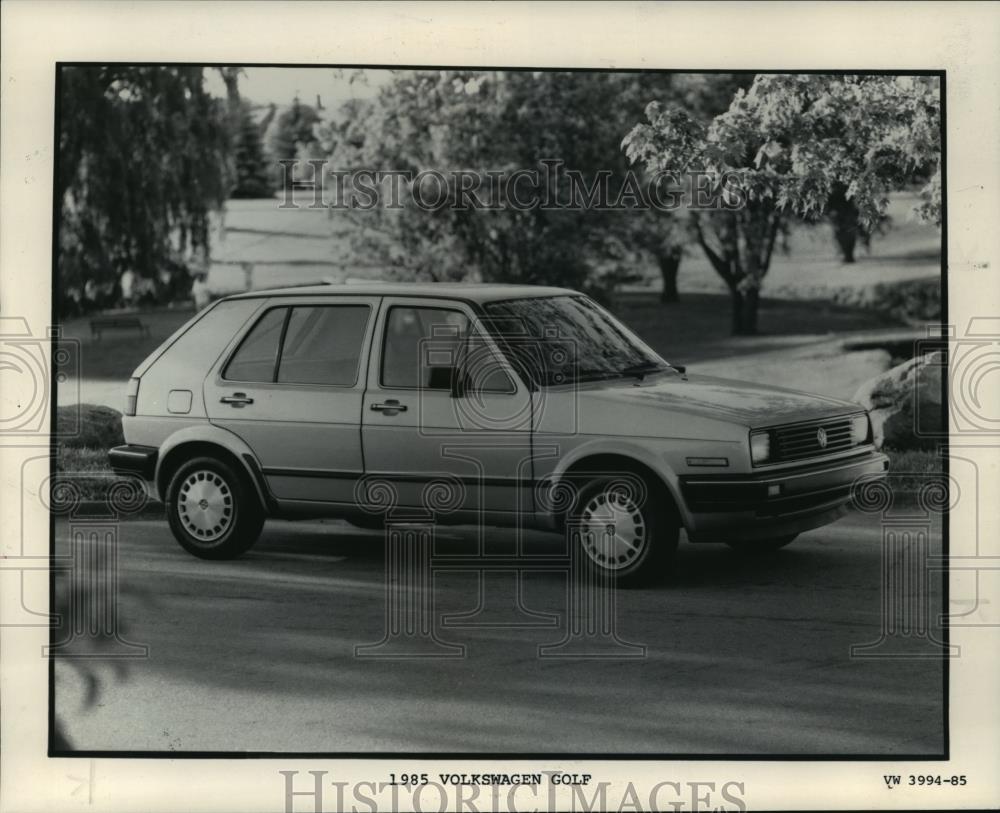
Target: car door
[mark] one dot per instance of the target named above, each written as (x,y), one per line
(292,388)
(445,443)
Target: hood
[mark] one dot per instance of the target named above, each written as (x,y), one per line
(750,405)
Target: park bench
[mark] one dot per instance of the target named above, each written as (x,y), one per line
(116,323)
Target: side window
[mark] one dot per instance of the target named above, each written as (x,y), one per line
(323,345)
(257,354)
(421,347)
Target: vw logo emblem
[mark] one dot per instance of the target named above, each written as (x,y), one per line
(821,437)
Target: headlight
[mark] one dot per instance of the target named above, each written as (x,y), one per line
(860,429)
(760,447)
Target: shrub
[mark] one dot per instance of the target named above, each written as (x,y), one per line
(910,470)
(100,427)
(913,300)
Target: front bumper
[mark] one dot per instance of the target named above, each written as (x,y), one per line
(136,460)
(775,503)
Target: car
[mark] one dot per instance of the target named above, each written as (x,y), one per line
(499,405)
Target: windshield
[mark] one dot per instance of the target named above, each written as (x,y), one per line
(567,339)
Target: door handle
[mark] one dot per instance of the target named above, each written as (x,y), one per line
(237,399)
(390,407)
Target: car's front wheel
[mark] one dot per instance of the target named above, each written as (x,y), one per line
(212,509)
(623,530)
(763,545)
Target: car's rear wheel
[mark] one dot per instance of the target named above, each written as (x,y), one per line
(212,509)
(763,545)
(623,531)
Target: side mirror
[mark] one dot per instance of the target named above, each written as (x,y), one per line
(442,378)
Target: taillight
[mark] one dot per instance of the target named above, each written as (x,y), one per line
(131,396)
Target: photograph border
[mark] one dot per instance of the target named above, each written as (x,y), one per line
(52,751)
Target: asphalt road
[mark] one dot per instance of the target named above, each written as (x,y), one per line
(742,655)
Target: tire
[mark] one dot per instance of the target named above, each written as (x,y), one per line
(645,530)
(763,545)
(207,490)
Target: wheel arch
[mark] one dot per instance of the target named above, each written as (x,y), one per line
(215,443)
(603,460)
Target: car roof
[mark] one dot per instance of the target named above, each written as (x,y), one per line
(466,291)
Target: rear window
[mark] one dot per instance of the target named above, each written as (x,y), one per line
(258,352)
(302,344)
(323,345)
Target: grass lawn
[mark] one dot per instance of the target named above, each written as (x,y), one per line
(698,327)
(119,352)
(87,470)
(811,268)
(909,470)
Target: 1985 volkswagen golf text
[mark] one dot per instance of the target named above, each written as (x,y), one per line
(486,404)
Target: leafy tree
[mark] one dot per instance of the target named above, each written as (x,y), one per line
(504,122)
(143,158)
(848,228)
(665,237)
(789,145)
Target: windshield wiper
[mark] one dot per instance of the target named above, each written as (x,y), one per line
(590,374)
(643,369)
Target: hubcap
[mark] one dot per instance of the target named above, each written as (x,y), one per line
(205,505)
(612,530)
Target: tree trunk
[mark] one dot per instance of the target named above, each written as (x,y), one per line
(669,266)
(266,121)
(750,301)
(231,78)
(843,215)
(846,237)
(744,311)
(737,311)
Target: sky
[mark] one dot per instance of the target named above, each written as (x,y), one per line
(281,85)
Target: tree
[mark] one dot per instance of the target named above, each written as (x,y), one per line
(252,168)
(234,104)
(505,122)
(246,137)
(847,226)
(143,158)
(789,145)
(293,127)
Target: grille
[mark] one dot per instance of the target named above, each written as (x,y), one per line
(801,440)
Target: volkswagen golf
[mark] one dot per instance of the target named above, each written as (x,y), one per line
(488,404)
